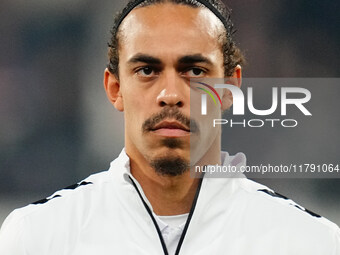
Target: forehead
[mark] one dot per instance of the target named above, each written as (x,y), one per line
(171,27)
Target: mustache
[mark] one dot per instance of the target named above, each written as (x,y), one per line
(169,112)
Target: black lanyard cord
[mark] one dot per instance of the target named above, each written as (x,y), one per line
(186,223)
(180,242)
(153,218)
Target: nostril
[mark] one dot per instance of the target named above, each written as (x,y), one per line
(164,103)
(179,104)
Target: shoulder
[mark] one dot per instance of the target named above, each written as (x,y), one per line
(275,211)
(52,217)
(70,195)
(267,219)
(266,198)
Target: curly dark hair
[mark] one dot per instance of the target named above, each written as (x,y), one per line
(231,53)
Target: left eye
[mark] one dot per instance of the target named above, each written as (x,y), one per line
(195,72)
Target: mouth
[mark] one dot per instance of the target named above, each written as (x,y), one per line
(170,129)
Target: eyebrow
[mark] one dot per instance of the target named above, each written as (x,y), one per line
(145,59)
(185,60)
(196,58)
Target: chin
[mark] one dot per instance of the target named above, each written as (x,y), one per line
(166,152)
(170,164)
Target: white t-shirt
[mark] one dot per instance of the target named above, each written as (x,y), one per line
(104,214)
(172,229)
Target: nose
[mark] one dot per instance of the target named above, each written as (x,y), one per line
(172,90)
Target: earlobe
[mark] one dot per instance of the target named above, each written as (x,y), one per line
(237,76)
(235,80)
(113,91)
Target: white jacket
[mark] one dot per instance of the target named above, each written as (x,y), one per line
(104,215)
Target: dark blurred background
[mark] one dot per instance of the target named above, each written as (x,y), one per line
(56,125)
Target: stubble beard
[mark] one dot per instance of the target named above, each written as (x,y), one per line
(171,164)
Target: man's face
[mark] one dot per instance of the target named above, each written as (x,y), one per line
(162,46)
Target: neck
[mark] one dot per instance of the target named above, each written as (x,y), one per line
(168,195)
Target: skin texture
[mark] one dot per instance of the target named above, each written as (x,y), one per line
(162,46)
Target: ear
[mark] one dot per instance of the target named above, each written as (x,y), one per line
(236,80)
(113,92)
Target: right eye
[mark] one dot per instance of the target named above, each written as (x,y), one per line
(146,72)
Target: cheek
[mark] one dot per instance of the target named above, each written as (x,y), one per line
(208,129)
(205,122)
(136,107)
(130,93)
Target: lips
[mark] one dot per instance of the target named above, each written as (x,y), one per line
(170,125)
(171,129)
